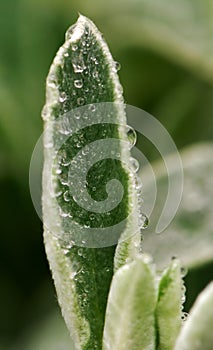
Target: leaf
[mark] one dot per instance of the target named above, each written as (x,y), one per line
(84,74)
(130,318)
(196,333)
(169,306)
(189,236)
(180,30)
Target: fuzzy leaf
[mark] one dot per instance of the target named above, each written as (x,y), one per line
(83,73)
(189,236)
(168,311)
(130,318)
(196,333)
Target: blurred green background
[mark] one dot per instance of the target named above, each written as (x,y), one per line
(166,53)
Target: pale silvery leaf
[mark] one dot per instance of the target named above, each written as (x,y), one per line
(189,236)
(130,314)
(169,306)
(196,333)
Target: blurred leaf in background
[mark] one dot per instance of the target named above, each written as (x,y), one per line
(165,50)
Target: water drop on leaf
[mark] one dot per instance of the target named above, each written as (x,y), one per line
(132,136)
(78,83)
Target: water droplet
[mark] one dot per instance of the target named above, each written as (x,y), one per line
(66,54)
(61,155)
(143,221)
(80,101)
(138,183)
(62,213)
(131,135)
(64,126)
(52,83)
(95,75)
(135,164)
(92,217)
(92,107)
(57,193)
(78,83)
(78,64)
(184,316)
(66,196)
(80,252)
(69,32)
(62,97)
(74,47)
(117,66)
(94,188)
(183,271)
(64,179)
(58,171)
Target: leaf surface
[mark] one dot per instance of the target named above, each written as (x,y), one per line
(83,76)
(196,333)
(130,314)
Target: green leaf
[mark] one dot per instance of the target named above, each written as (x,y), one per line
(130,314)
(169,306)
(83,73)
(196,333)
(189,236)
(180,30)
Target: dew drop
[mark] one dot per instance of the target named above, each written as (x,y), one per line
(58,171)
(184,316)
(74,48)
(131,135)
(143,221)
(66,54)
(138,183)
(78,83)
(92,107)
(95,75)
(80,101)
(64,180)
(117,66)
(135,164)
(183,271)
(92,217)
(62,97)
(64,126)
(80,252)
(66,196)
(52,84)
(62,213)
(57,193)
(78,64)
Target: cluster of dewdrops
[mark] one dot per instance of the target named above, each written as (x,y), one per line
(65,129)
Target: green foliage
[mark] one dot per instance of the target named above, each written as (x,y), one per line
(83,69)
(130,314)
(168,75)
(189,236)
(197,331)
